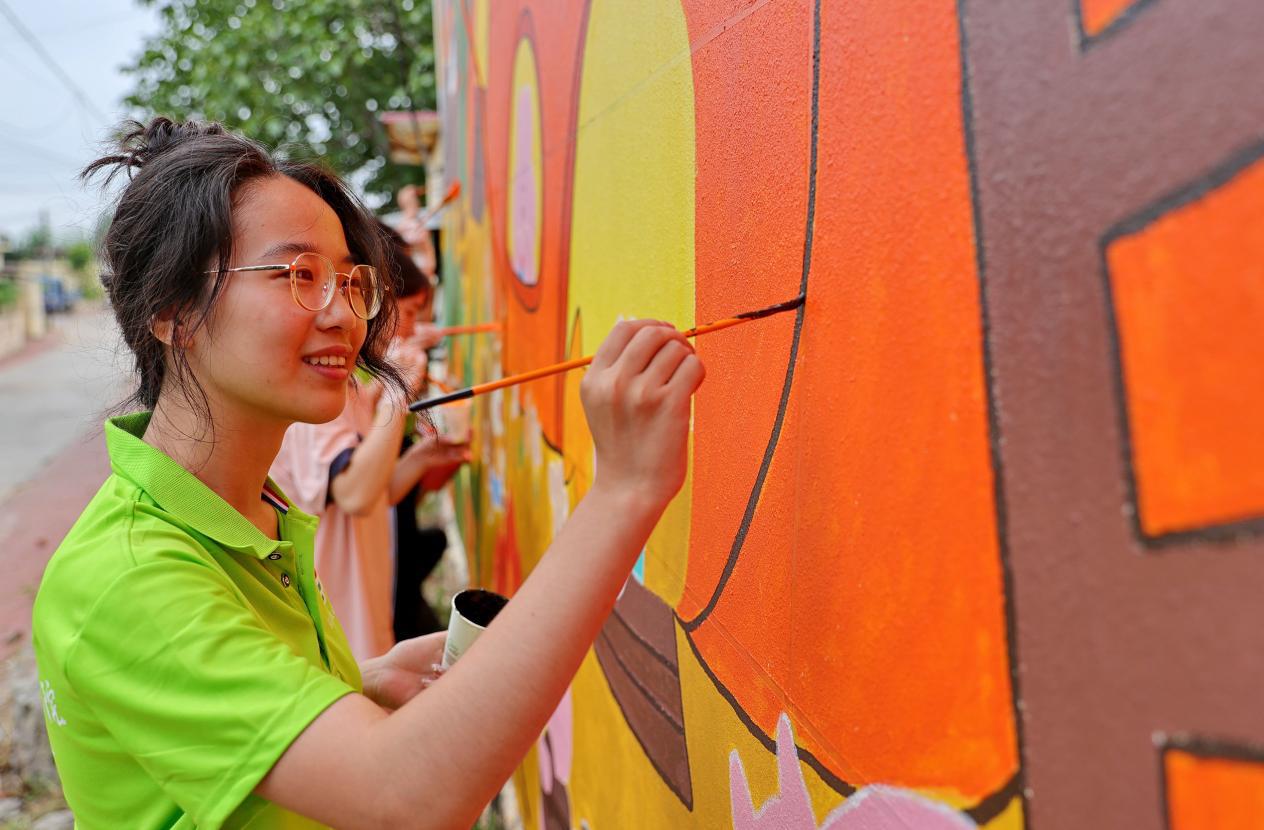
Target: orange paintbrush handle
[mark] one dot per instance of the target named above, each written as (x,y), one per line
(453,192)
(472,328)
(557,368)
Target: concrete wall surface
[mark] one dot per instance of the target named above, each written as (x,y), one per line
(973,538)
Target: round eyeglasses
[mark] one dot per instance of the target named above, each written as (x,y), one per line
(313,279)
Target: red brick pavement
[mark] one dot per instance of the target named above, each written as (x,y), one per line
(34,520)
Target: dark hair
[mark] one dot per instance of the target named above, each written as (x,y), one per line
(409,277)
(175,215)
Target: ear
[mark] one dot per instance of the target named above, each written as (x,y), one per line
(166,326)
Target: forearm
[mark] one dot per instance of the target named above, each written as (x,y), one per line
(408,470)
(473,727)
(368,475)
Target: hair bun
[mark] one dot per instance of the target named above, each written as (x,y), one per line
(139,143)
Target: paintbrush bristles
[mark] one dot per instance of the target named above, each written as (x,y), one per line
(789,305)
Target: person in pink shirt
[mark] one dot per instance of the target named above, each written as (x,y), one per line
(350,473)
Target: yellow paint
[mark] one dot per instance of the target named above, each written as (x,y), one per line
(482,33)
(632,236)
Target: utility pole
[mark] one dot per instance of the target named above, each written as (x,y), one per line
(46,234)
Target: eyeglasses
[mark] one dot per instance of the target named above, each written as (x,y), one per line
(313,280)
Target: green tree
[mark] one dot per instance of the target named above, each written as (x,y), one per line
(36,243)
(79,254)
(313,74)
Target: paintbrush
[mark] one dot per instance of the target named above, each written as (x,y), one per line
(473,328)
(453,192)
(535,374)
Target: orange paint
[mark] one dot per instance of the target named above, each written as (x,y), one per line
(868,599)
(535,324)
(1189,304)
(507,564)
(1213,793)
(1098,14)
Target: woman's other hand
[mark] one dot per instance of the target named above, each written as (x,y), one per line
(410,666)
(427,335)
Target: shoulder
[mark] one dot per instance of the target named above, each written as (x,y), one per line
(121,532)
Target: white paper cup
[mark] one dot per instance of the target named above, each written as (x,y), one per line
(453,421)
(472,611)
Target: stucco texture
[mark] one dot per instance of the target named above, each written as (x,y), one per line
(911,576)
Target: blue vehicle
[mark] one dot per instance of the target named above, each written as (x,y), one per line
(57,297)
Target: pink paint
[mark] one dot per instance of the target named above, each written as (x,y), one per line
(556,753)
(875,807)
(525,219)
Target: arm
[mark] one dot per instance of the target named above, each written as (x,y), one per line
(420,458)
(440,758)
(358,487)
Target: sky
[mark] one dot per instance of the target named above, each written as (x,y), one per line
(46,134)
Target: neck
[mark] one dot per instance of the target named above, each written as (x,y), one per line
(232,458)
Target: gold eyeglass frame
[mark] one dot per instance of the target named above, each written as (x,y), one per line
(336,284)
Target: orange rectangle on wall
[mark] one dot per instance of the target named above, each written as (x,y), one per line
(1187,284)
(1205,792)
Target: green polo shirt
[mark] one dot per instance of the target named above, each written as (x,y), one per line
(180,649)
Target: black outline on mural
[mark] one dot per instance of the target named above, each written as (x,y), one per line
(526,30)
(739,540)
(769,743)
(1120,22)
(658,655)
(685,798)
(985,810)
(568,199)
(1199,747)
(1187,194)
(992,805)
(676,723)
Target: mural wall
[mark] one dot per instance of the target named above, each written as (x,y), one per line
(971,540)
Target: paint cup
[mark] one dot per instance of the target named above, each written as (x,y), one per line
(453,421)
(472,611)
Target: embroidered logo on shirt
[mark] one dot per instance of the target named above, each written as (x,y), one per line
(320,590)
(50,703)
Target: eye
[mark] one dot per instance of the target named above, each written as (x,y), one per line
(304,274)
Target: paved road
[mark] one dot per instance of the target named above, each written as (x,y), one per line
(58,393)
(52,454)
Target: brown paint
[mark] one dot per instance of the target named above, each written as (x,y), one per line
(637,653)
(1113,640)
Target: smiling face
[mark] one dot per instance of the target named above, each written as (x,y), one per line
(261,357)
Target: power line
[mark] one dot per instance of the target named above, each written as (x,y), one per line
(52,64)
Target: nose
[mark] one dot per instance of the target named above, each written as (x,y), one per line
(338,313)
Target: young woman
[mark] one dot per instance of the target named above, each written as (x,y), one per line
(350,473)
(193,674)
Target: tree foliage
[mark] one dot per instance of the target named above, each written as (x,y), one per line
(79,254)
(313,74)
(36,243)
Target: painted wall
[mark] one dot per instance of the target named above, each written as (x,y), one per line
(973,539)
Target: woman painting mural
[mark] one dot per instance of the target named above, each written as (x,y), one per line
(194,674)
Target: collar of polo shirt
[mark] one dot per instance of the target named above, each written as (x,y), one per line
(182,494)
